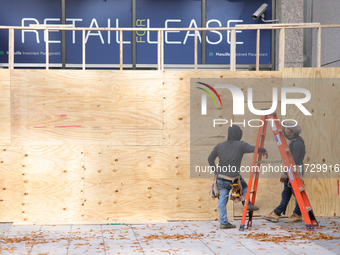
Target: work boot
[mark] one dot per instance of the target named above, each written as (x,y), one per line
(294,218)
(252,207)
(271,217)
(229,225)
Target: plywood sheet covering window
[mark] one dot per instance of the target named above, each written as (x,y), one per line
(114,146)
(137,183)
(5,108)
(94,107)
(320,132)
(41,183)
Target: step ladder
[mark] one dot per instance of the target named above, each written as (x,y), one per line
(288,161)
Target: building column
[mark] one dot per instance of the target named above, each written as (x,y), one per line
(290,11)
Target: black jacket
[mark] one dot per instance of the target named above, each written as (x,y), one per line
(297,148)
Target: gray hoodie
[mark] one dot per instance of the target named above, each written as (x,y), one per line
(230,153)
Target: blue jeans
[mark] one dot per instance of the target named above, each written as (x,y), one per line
(224,188)
(286,195)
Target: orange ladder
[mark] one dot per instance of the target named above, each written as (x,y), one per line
(288,161)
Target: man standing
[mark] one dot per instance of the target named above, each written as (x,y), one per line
(298,151)
(230,154)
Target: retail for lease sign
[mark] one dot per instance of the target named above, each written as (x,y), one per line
(102,47)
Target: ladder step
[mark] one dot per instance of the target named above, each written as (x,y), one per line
(308,209)
(269,161)
(287,149)
(252,191)
(301,189)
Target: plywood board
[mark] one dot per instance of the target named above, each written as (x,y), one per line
(5,75)
(5,112)
(114,146)
(56,107)
(320,134)
(183,199)
(176,97)
(137,179)
(41,183)
(135,163)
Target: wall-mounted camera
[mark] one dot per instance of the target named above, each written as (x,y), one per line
(259,13)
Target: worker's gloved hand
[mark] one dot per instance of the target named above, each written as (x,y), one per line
(265,154)
(283,178)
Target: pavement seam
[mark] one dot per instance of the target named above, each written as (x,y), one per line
(233,238)
(199,239)
(101,227)
(69,240)
(133,231)
(33,242)
(167,241)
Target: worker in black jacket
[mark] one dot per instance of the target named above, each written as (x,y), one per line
(298,151)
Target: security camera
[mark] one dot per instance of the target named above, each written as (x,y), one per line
(259,12)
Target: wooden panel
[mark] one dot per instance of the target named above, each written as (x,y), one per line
(5,75)
(58,107)
(320,132)
(114,146)
(322,122)
(183,199)
(134,163)
(328,72)
(177,97)
(11,184)
(5,112)
(122,183)
(41,184)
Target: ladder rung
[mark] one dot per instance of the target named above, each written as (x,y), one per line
(301,189)
(308,209)
(287,149)
(280,130)
(252,191)
(268,161)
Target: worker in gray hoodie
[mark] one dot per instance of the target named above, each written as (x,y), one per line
(230,154)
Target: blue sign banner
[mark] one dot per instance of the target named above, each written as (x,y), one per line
(102,47)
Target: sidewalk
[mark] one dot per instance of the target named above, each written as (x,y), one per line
(190,237)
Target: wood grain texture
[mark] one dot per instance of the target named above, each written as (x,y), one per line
(177,98)
(5,113)
(41,183)
(5,75)
(114,146)
(53,107)
(140,179)
(5,107)
(166,199)
(320,134)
